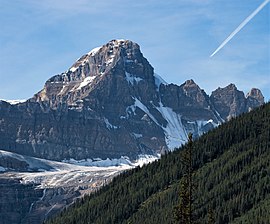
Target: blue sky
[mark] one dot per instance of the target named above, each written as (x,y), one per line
(39,39)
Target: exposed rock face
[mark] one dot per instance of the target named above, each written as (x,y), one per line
(28,204)
(109,104)
(254,98)
(230,102)
(16,199)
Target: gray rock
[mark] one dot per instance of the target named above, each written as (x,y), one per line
(230,102)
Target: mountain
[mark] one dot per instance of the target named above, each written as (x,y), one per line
(232,179)
(109,104)
(231,102)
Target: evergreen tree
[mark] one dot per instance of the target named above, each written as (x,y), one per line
(211,219)
(232,177)
(183,211)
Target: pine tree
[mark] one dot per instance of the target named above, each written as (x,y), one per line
(211,219)
(183,211)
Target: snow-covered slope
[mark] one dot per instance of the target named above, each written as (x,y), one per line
(13,102)
(58,184)
(47,173)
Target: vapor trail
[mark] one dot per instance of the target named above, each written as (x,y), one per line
(241,26)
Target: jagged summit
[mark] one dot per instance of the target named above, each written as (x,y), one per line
(121,58)
(256,94)
(255,98)
(231,102)
(112,51)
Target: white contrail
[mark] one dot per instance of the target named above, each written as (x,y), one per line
(241,26)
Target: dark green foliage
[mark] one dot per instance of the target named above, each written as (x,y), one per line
(232,165)
(184,210)
(211,219)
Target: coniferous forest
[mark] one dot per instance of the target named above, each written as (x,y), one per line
(231,166)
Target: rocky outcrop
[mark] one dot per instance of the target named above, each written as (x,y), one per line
(254,98)
(230,102)
(109,104)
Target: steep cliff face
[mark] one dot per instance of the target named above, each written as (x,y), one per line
(254,98)
(230,102)
(16,199)
(109,104)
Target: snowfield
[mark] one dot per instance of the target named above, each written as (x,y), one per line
(61,183)
(69,173)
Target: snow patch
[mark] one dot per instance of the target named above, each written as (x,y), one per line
(13,102)
(94,51)
(132,79)
(72,174)
(110,60)
(62,90)
(137,135)
(118,42)
(140,105)
(89,172)
(129,110)
(73,69)
(109,125)
(84,59)
(2,169)
(97,162)
(174,131)
(86,81)
(124,161)
(145,159)
(201,124)
(219,117)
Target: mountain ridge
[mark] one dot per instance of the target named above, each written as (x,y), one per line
(109,104)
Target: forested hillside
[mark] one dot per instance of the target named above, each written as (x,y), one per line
(232,167)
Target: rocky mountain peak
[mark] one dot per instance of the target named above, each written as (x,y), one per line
(231,86)
(255,98)
(116,52)
(190,82)
(230,102)
(105,56)
(257,94)
(117,58)
(193,91)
